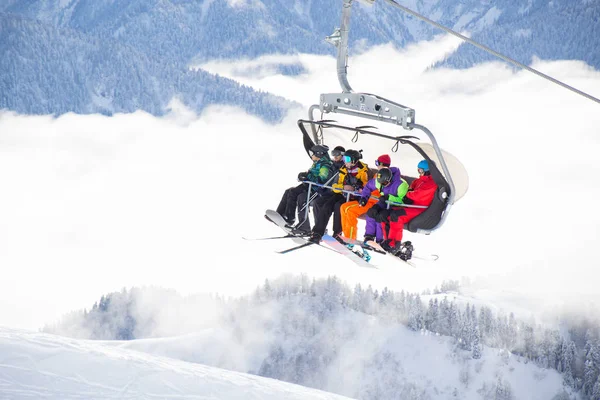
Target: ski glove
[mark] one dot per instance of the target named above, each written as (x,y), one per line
(395,214)
(383,215)
(378,213)
(302,176)
(382,200)
(363,201)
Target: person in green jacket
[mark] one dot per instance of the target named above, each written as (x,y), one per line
(320,171)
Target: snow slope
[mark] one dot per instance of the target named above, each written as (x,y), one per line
(36,366)
(387,359)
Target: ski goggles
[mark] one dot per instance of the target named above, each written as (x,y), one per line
(336,153)
(377,163)
(347,159)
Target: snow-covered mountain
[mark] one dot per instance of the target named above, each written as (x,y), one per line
(37,365)
(359,342)
(92,204)
(47,70)
(118,56)
(208,29)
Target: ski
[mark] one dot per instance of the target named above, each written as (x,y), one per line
(275,218)
(364,245)
(430,257)
(270,237)
(306,243)
(300,246)
(328,243)
(380,249)
(344,250)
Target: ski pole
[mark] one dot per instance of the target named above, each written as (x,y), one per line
(316,194)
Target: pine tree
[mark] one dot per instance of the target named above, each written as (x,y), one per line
(476,343)
(415,313)
(591,370)
(568,364)
(431,317)
(268,290)
(596,391)
(466,330)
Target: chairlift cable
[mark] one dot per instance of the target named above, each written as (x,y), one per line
(493,52)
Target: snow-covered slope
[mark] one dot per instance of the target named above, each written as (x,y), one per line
(356,355)
(36,366)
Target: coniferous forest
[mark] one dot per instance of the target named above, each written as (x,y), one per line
(304,324)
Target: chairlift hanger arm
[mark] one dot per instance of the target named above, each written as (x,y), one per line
(367,106)
(370,106)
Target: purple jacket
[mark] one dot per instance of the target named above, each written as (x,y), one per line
(373,228)
(392,188)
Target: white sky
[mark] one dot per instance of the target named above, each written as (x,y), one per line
(91,204)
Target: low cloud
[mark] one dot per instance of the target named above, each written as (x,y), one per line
(92,204)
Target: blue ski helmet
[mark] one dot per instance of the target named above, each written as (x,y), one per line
(424,165)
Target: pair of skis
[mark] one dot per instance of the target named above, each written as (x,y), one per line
(328,242)
(355,250)
(347,248)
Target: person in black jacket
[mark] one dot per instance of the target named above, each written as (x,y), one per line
(352,177)
(320,172)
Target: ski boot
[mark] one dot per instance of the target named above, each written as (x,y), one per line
(406,251)
(300,232)
(389,248)
(315,238)
(338,237)
(359,251)
(368,238)
(289,222)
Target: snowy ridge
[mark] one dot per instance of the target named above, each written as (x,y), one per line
(37,365)
(359,342)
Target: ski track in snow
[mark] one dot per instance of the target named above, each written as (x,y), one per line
(35,366)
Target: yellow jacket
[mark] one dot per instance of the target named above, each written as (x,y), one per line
(358,181)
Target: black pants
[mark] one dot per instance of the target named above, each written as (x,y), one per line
(292,199)
(325,206)
(304,223)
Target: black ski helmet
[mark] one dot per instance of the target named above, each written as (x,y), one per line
(319,150)
(338,151)
(353,155)
(384,176)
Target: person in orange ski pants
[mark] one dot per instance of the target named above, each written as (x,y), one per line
(351,210)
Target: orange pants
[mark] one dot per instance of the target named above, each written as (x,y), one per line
(350,212)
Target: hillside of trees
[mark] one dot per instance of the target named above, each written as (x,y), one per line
(308,313)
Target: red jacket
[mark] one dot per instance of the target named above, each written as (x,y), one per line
(421,191)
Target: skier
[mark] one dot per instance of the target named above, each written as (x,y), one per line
(350,211)
(392,188)
(337,156)
(352,177)
(303,226)
(320,172)
(420,193)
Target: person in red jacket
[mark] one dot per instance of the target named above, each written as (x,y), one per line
(420,193)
